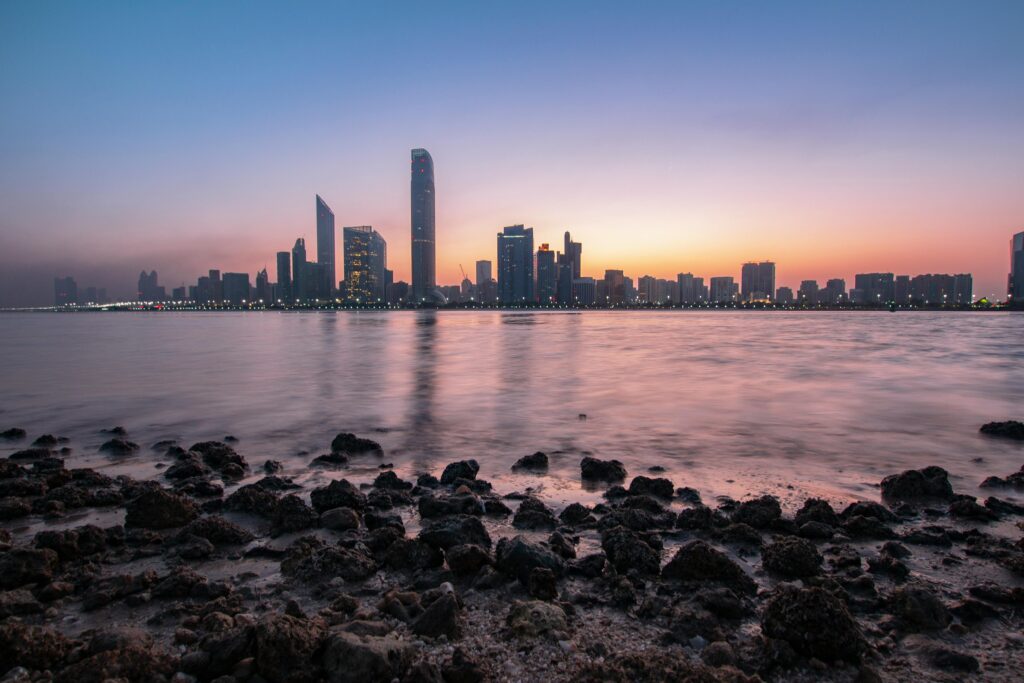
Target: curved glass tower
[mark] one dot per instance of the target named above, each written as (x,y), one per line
(423,278)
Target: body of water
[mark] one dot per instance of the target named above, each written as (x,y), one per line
(730,403)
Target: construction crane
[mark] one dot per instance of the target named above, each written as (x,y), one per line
(464,276)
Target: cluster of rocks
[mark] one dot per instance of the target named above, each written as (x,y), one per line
(734,592)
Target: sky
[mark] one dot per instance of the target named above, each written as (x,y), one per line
(830,137)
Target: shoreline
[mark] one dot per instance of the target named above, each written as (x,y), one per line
(221,567)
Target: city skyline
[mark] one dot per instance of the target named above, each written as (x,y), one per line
(674,137)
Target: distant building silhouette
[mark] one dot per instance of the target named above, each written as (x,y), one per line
(216,286)
(808,292)
(901,289)
(614,287)
(236,288)
(573,254)
(149,288)
(424,279)
(784,295)
(515,265)
(757,281)
(1016,280)
(547,275)
(284,276)
(263,291)
(584,291)
(65,291)
(299,270)
(723,289)
(835,291)
(874,288)
(325,245)
(366,255)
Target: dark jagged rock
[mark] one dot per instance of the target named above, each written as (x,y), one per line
(45,441)
(967,508)
(252,499)
(339,519)
(11,470)
(889,565)
(759,513)
(700,517)
(349,658)
(443,617)
(816,530)
(330,460)
(859,526)
(535,515)
(1010,429)
(273,466)
(918,609)
(20,566)
(71,544)
(688,495)
(390,480)
(462,469)
(698,561)
(817,510)
(311,560)
(349,443)
(536,461)
(542,584)
(561,545)
(30,454)
(125,660)
(159,509)
(292,514)
(456,504)
(626,551)
(495,508)
(535,617)
(591,566)
(1003,507)
(462,669)
(642,501)
(36,648)
(14,508)
(455,530)
(285,647)
(658,487)
(951,660)
(576,514)
(467,559)
(119,447)
(927,483)
(517,557)
(592,469)
(413,554)
(339,493)
(870,509)
(221,457)
(378,520)
(188,466)
(791,556)
(13,434)
(814,622)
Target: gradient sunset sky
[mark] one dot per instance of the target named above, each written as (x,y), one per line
(830,137)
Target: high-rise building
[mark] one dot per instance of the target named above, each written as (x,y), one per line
(424,279)
(835,291)
(547,275)
(573,254)
(216,286)
(687,294)
(179,293)
(263,292)
(65,291)
(615,287)
(875,288)
(723,290)
(284,276)
(149,288)
(584,291)
(366,260)
(483,272)
(1015,291)
(784,295)
(236,288)
(325,243)
(808,292)
(963,289)
(300,288)
(758,281)
(901,289)
(628,290)
(515,264)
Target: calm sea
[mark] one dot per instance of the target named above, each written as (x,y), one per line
(731,403)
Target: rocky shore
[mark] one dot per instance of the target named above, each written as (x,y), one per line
(221,569)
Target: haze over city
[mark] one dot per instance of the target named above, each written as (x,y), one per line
(831,139)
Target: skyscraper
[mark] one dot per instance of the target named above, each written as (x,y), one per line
(722,289)
(687,295)
(875,288)
(483,272)
(424,279)
(615,287)
(835,290)
(757,281)
(573,254)
(808,292)
(263,287)
(325,242)
(515,264)
(65,291)
(300,289)
(236,288)
(547,275)
(1016,288)
(366,260)
(284,276)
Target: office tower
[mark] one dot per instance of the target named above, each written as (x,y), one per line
(483,272)
(784,295)
(963,289)
(423,275)
(647,289)
(284,276)
(547,275)
(389,281)
(701,290)
(149,289)
(299,287)
(565,279)
(65,291)
(584,291)
(1015,290)
(399,293)
(877,288)
(204,290)
(467,291)
(615,287)
(687,294)
(216,286)
(758,281)
(315,285)
(179,293)
(325,243)
(835,291)
(236,288)
(722,289)
(901,289)
(366,260)
(263,292)
(90,296)
(573,254)
(515,264)
(808,292)
(628,290)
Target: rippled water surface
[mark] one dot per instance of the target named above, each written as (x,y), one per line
(734,403)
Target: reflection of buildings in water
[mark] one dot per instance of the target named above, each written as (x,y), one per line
(421,434)
(515,399)
(363,353)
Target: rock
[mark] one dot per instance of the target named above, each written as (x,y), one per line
(535,515)
(592,469)
(34,647)
(378,520)
(966,508)
(537,461)
(462,669)
(45,441)
(349,658)
(467,559)
(351,444)
(159,509)
(576,514)
(1003,507)
(119,447)
(462,469)
(13,434)
(252,499)
(339,519)
(562,546)
(927,483)
(534,618)
(310,559)
(390,480)
(542,584)
(30,454)
(431,505)
(217,531)
(817,510)
(20,566)
(1011,429)
(72,544)
(814,622)
(759,513)
(413,554)
(791,557)
(339,493)
(700,517)
(273,466)
(455,530)
(222,458)
(285,647)
(918,609)
(660,487)
(518,557)
(591,566)
(627,551)
(816,531)
(125,660)
(950,660)
(292,514)
(19,602)
(442,617)
(718,653)
(187,466)
(698,561)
